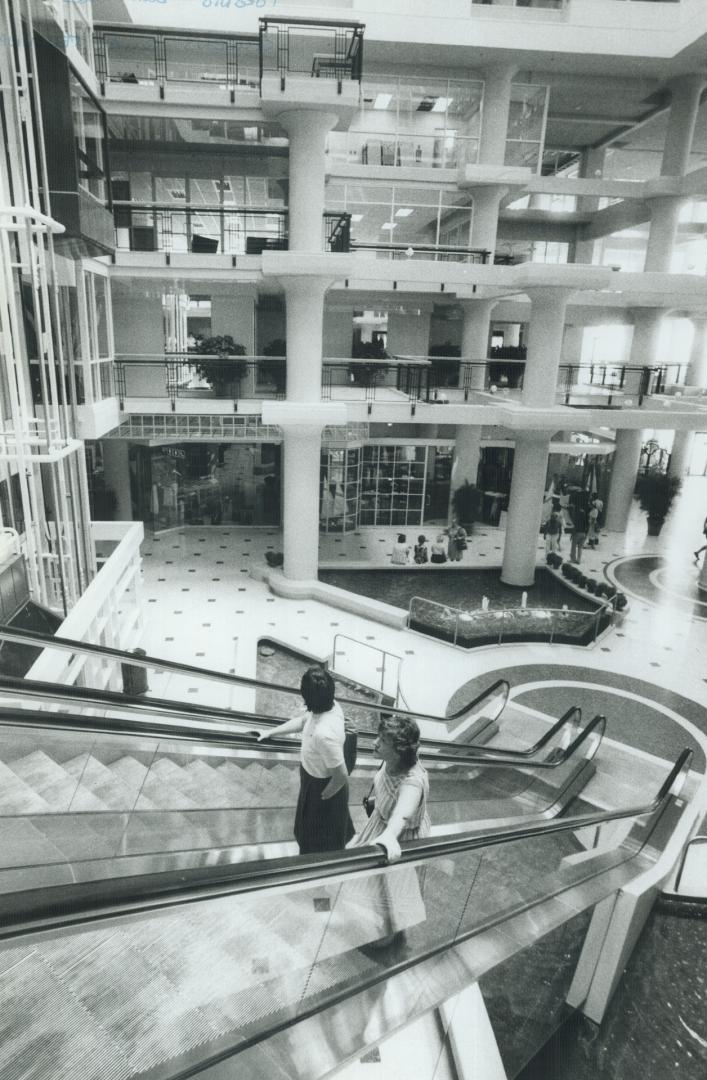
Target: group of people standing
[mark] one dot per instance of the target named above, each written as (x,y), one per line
(585,516)
(448,546)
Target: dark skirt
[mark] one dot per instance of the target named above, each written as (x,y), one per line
(321,824)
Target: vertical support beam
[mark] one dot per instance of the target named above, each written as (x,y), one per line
(304,299)
(301,458)
(686,92)
(476,332)
(665,216)
(525,508)
(484,219)
(623,478)
(465,458)
(496,108)
(546,331)
(307,130)
(696,376)
(647,323)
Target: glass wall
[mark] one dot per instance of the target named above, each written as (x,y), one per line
(392,485)
(339,487)
(526,125)
(97,334)
(206,484)
(432,123)
(407,214)
(90,138)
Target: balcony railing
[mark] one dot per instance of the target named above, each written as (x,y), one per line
(195,376)
(434,252)
(215,230)
(311,48)
(156,59)
(442,380)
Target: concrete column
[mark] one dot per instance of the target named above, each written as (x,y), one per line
(409,331)
(697,369)
(545,334)
(116,473)
(304,300)
(484,219)
(525,508)
(665,215)
(684,106)
(494,118)
(307,130)
(623,479)
(465,458)
(647,324)
(681,452)
(592,163)
(476,332)
(301,459)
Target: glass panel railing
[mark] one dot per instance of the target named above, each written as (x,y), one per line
(81,792)
(446,150)
(195,983)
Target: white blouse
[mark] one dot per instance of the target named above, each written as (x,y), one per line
(323,742)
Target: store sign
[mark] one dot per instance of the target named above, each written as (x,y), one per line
(174,451)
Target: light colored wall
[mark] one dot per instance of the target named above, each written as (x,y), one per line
(338,331)
(235,315)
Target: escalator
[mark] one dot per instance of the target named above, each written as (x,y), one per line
(84,796)
(266,968)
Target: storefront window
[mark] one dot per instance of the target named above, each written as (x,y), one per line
(340,477)
(392,485)
(207,484)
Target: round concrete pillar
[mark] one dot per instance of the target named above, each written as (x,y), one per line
(697,370)
(301,461)
(545,334)
(484,218)
(623,478)
(465,458)
(494,122)
(681,453)
(525,508)
(304,300)
(686,92)
(647,323)
(307,130)
(476,331)
(665,216)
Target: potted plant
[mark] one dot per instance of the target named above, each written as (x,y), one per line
(466,503)
(656,491)
(364,374)
(224,371)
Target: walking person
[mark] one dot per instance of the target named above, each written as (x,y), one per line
(457,542)
(553,533)
(322,818)
(704,546)
(579,533)
(593,526)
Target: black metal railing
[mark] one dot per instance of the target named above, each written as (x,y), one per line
(124,55)
(215,230)
(193,376)
(311,47)
(445,379)
(435,252)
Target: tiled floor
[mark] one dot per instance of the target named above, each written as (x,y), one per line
(204,608)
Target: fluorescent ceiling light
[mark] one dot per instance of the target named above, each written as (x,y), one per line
(389,225)
(357,217)
(442,104)
(404,211)
(382,101)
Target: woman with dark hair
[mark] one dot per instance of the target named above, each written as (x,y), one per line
(322,819)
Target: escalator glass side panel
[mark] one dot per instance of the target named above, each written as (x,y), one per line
(206,978)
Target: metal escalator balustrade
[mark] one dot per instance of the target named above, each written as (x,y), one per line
(85,796)
(162,978)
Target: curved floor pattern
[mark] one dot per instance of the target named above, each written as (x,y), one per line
(639,714)
(654,579)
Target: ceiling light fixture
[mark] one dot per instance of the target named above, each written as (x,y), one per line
(404,211)
(442,104)
(356,217)
(382,101)
(389,225)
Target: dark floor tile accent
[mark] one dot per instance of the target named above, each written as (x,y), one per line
(270,600)
(193,690)
(654,663)
(219,562)
(604,649)
(238,613)
(185,590)
(371,1057)
(178,613)
(152,601)
(370,637)
(206,624)
(200,654)
(191,571)
(333,624)
(321,903)
(161,578)
(169,563)
(409,652)
(215,578)
(169,639)
(210,601)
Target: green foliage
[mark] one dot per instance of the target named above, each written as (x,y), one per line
(466,501)
(656,491)
(224,373)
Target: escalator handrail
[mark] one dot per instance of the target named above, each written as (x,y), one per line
(85,695)
(49,908)
(116,725)
(37,639)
